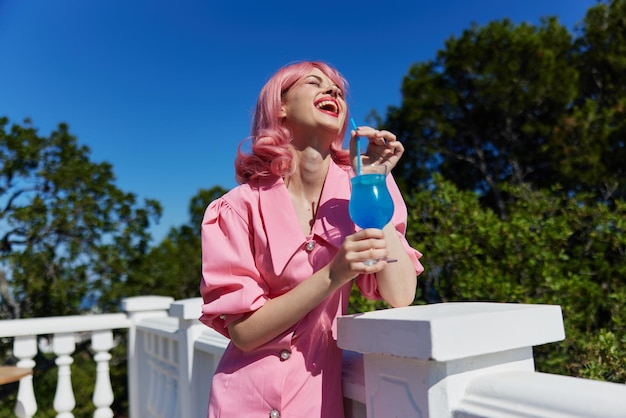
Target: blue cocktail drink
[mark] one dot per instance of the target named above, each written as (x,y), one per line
(370,204)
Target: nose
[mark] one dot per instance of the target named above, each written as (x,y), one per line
(332,90)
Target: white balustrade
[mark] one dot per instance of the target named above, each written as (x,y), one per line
(193,392)
(522,394)
(180,354)
(208,349)
(25,349)
(64,332)
(451,360)
(462,360)
(63,345)
(101,343)
(141,309)
(353,385)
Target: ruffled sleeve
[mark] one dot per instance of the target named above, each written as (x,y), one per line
(231,285)
(367,283)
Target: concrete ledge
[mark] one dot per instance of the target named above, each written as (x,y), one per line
(518,394)
(187,308)
(146,303)
(449,331)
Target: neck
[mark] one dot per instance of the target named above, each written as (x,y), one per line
(311,168)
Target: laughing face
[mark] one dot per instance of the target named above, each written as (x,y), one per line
(314,104)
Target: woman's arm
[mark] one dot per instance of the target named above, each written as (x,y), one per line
(282,312)
(398,280)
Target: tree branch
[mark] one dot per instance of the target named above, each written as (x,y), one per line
(7,297)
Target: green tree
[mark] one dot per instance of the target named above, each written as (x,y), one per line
(482,112)
(173,268)
(601,60)
(515,178)
(509,103)
(68,236)
(67,231)
(553,249)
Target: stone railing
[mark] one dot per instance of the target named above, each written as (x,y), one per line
(59,336)
(457,360)
(468,360)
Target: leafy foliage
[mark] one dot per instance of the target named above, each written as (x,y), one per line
(513,104)
(515,176)
(173,268)
(605,357)
(68,231)
(554,249)
(69,240)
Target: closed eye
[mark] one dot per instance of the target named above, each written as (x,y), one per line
(316,81)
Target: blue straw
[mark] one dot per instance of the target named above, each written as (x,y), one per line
(358,149)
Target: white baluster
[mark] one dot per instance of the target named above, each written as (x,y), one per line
(153,396)
(161,390)
(25,348)
(173,389)
(101,343)
(63,346)
(174,375)
(152,389)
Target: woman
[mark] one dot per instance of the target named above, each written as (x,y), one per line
(280,253)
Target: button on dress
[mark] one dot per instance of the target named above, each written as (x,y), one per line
(253,250)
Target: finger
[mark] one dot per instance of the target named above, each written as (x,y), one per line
(354,148)
(370,249)
(353,139)
(373,254)
(364,267)
(389,137)
(368,233)
(366,131)
(396,147)
(384,139)
(378,140)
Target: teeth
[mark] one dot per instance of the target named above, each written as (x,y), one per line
(327,105)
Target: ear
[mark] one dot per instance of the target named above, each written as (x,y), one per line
(282,113)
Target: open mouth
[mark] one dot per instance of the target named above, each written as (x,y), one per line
(328,106)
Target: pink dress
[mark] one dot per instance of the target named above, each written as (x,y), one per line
(253,250)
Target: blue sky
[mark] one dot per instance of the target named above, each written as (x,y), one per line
(164,90)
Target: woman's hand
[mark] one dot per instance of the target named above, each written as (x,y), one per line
(349,261)
(382,148)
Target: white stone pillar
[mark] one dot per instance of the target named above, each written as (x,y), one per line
(25,349)
(138,308)
(189,328)
(101,343)
(418,360)
(63,346)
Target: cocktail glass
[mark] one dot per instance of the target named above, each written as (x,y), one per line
(371,205)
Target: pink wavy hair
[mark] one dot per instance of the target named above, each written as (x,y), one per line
(269,138)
